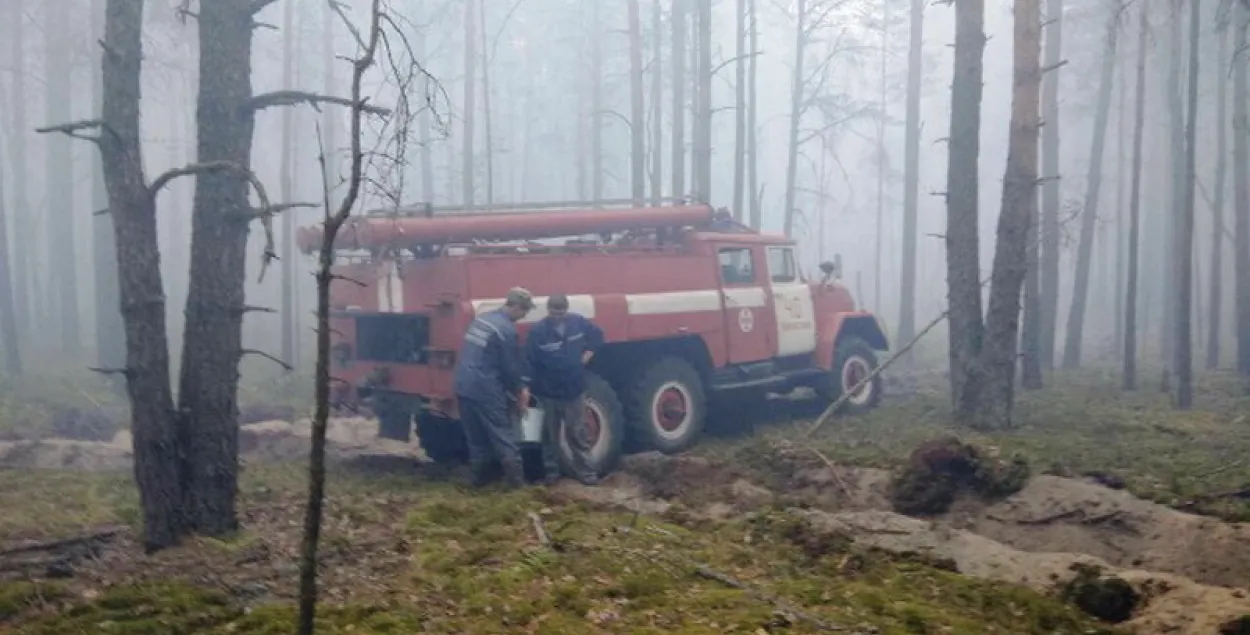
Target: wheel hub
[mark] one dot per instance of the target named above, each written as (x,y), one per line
(671,409)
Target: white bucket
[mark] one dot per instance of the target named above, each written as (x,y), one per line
(532,425)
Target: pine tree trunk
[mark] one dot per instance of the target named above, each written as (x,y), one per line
(425,122)
(740,110)
(752,133)
(911,174)
(1216,306)
(110,340)
(24,284)
(1134,232)
(470,106)
(962,191)
(796,114)
(657,105)
(596,103)
(1019,209)
(1182,363)
(142,296)
(703,158)
(488,152)
(8,316)
(289,317)
(637,109)
(679,98)
(62,213)
(1049,318)
(1176,128)
(212,336)
(1075,330)
(1241,192)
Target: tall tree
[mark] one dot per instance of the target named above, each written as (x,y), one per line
(657,106)
(1134,232)
(8,314)
(290,320)
(962,190)
(1176,151)
(740,107)
(596,102)
(1093,184)
(1216,306)
(109,331)
(24,284)
(679,98)
(637,108)
(1049,318)
(797,103)
(752,112)
(1241,191)
(911,173)
(703,138)
(1183,398)
(488,134)
(59,104)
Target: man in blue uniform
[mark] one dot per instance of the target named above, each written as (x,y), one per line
(491,385)
(558,349)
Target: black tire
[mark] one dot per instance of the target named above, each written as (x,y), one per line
(604,405)
(853,359)
(394,413)
(442,439)
(674,380)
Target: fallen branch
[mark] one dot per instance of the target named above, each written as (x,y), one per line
(101,535)
(541,530)
(296,97)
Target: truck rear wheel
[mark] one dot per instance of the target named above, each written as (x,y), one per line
(442,439)
(853,361)
(667,406)
(605,427)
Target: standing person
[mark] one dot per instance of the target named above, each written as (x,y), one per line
(558,349)
(490,382)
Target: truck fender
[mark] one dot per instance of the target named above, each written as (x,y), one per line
(861,324)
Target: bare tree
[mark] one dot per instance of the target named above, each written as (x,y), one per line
(911,173)
(702,166)
(679,97)
(59,106)
(8,316)
(109,331)
(290,320)
(637,108)
(325,277)
(752,112)
(24,284)
(1216,305)
(657,105)
(470,112)
(596,102)
(1134,235)
(488,138)
(740,108)
(1049,273)
(1241,190)
(1093,184)
(798,104)
(1183,398)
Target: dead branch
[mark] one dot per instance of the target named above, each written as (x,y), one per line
(252,351)
(76,129)
(101,535)
(247,308)
(266,218)
(1054,67)
(110,371)
(259,5)
(541,530)
(296,97)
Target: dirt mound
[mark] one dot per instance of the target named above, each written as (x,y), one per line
(938,470)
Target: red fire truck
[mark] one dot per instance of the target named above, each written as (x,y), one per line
(694,307)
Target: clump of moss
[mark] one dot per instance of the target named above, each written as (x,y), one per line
(1238,626)
(1107,598)
(940,468)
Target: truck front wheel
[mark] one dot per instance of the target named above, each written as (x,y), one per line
(605,427)
(667,405)
(853,361)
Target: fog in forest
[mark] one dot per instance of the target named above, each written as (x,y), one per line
(549,116)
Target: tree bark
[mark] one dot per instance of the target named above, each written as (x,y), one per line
(488,139)
(1134,232)
(289,317)
(637,109)
(596,103)
(911,174)
(1176,128)
(142,296)
(679,98)
(1019,209)
(329,118)
(62,290)
(8,316)
(740,109)
(1089,214)
(212,339)
(1241,192)
(1183,398)
(425,122)
(1216,306)
(752,112)
(24,286)
(962,191)
(1049,318)
(796,112)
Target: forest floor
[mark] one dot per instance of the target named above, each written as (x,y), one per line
(755,534)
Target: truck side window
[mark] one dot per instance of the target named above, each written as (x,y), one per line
(781,264)
(736,266)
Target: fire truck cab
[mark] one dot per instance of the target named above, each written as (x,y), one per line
(693,307)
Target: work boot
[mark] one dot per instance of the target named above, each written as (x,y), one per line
(481,476)
(513,474)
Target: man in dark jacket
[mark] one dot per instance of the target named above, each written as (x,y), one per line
(558,349)
(491,385)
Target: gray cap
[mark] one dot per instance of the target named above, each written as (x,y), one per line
(520,296)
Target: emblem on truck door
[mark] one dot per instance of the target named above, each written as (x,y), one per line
(746,320)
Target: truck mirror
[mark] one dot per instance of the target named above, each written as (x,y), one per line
(832,270)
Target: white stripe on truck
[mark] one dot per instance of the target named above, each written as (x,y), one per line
(581,304)
(666,303)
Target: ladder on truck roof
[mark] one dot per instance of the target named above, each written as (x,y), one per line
(417,210)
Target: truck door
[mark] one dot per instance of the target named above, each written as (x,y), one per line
(792,302)
(749,318)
